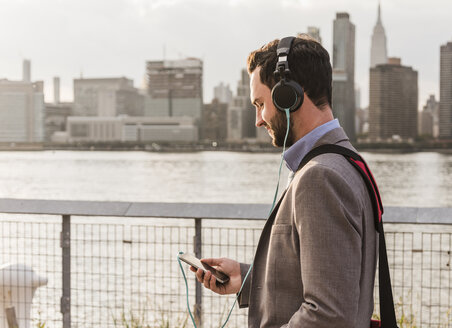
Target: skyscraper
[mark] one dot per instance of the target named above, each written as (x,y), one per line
(429,118)
(175,87)
(313,32)
(241,115)
(378,52)
(213,122)
(344,73)
(393,101)
(222,93)
(445,92)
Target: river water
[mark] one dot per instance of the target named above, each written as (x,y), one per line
(415,179)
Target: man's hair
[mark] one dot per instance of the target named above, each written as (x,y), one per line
(309,64)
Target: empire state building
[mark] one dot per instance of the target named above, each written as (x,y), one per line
(378,54)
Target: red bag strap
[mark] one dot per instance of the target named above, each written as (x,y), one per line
(387,313)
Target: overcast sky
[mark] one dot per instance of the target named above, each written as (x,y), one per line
(110,38)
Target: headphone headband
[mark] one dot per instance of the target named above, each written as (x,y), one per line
(284,46)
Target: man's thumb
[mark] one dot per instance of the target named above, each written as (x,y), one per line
(211,262)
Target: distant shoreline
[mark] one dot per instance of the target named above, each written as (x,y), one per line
(397,148)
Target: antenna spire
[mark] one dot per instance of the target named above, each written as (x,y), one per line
(379,12)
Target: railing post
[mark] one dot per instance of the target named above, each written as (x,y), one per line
(65,243)
(197,245)
(11,317)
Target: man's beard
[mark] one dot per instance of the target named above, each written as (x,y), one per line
(278,129)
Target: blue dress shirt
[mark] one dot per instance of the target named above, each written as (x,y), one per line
(294,155)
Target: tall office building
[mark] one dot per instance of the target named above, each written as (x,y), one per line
(222,93)
(344,73)
(445,92)
(213,123)
(106,97)
(357,97)
(378,52)
(313,32)
(241,116)
(393,101)
(175,87)
(362,117)
(21,111)
(429,118)
(362,120)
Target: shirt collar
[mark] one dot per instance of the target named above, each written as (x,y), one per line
(294,155)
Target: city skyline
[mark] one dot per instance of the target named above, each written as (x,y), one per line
(116,38)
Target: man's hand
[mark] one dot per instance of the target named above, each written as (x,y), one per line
(227,266)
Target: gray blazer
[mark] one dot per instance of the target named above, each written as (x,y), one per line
(315,262)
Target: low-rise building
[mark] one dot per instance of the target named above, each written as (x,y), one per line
(132,129)
(55,119)
(21,111)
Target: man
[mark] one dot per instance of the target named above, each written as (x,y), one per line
(315,262)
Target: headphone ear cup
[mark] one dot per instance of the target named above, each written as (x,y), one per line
(287,94)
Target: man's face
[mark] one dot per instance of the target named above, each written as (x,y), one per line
(266,113)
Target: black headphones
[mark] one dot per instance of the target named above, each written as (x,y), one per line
(286,94)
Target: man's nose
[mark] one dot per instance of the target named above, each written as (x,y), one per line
(259,120)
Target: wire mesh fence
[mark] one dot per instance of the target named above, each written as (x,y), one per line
(35,243)
(124,271)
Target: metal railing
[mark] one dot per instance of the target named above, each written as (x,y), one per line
(113,264)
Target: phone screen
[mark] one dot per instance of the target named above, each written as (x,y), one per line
(193,261)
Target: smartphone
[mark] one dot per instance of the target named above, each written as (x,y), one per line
(195,262)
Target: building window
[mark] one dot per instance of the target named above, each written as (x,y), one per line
(79,130)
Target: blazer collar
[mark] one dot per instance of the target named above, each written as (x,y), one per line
(333,137)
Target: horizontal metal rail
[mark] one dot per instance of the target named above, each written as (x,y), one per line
(428,215)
